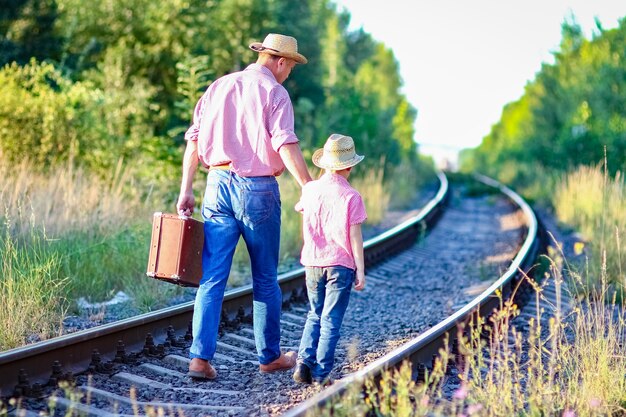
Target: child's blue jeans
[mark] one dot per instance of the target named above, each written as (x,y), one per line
(329,293)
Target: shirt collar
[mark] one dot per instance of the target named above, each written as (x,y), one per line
(330,176)
(261,68)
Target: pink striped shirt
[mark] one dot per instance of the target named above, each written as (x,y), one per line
(243,119)
(329,207)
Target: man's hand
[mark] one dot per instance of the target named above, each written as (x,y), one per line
(185,204)
(359,282)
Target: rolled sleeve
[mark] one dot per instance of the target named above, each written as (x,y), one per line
(281,120)
(194,129)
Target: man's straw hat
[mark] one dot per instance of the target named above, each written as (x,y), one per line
(280,45)
(337,153)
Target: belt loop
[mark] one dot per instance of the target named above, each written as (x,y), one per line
(230,178)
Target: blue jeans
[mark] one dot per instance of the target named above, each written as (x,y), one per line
(237,206)
(329,293)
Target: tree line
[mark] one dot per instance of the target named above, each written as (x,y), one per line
(569,115)
(99,82)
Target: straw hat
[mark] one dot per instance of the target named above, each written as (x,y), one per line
(337,153)
(281,45)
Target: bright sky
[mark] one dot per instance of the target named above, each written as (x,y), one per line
(462,61)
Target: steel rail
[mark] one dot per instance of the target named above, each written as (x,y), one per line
(33,364)
(420,350)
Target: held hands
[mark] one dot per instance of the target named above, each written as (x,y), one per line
(359,282)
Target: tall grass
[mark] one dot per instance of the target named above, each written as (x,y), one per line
(575,366)
(570,365)
(32,289)
(67,199)
(594,204)
(405,180)
(89,237)
(535,182)
(94,227)
(291,221)
(68,234)
(375,194)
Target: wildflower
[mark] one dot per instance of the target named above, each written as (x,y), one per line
(595,402)
(474,408)
(461,393)
(569,413)
(578,248)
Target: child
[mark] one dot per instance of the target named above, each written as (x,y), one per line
(332,254)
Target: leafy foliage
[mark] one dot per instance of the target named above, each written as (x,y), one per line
(27,30)
(568,115)
(48,119)
(95,98)
(97,82)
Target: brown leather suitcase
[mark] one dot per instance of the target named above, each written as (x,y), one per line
(176,249)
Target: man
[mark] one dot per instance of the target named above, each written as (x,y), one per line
(243,131)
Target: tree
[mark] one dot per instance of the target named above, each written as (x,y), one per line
(27,31)
(568,115)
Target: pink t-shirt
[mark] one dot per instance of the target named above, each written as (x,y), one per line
(329,207)
(243,119)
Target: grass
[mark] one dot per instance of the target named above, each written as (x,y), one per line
(572,365)
(595,205)
(33,291)
(575,366)
(376,196)
(68,233)
(470,187)
(291,221)
(93,228)
(67,199)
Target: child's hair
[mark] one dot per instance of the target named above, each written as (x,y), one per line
(332,171)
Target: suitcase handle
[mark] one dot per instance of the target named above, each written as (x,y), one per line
(180,216)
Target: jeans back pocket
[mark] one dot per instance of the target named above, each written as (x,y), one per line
(258,206)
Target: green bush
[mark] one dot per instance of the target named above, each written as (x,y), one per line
(39,111)
(49,119)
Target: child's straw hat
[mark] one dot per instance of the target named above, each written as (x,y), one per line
(337,153)
(280,45)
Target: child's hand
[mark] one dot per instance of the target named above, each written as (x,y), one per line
(359,282)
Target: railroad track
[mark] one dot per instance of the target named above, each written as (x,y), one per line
(120,355)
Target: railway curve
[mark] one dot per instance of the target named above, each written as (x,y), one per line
(120,353)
